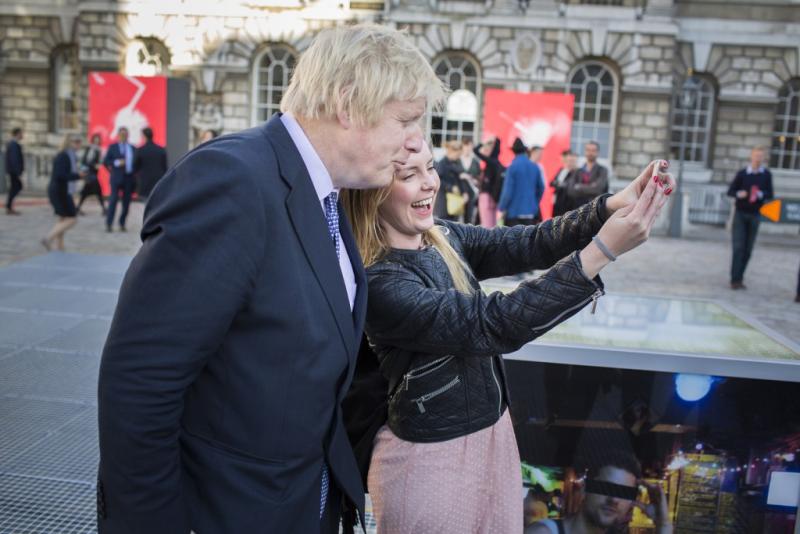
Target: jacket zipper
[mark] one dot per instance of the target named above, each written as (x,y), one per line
(499,391)
(420,401)
(593,298)
(425,369)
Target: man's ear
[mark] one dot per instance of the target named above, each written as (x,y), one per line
(343,115)
(344,119)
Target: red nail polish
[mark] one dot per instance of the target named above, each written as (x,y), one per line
(668,191)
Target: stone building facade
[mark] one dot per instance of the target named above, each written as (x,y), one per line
(648,76)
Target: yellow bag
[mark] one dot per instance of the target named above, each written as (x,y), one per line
(455,204)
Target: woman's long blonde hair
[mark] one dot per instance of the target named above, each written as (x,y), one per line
(362,206)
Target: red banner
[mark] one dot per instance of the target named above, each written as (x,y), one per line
(539,119)
(116,100)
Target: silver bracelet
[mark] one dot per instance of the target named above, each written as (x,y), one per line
(604,249)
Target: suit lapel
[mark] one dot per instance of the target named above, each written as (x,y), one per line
(360,305)
(311,228)
(359,308)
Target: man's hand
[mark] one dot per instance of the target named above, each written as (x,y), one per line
(741,194)
(658,509)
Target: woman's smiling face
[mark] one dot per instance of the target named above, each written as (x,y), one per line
(408,212)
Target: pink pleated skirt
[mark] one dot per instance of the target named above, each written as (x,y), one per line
(467,485)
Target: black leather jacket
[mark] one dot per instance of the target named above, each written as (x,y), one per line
(440,348)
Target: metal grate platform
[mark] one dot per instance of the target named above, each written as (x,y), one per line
(55,311)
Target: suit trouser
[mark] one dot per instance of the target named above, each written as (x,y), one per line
(16,187)
(745,229)
(125,185)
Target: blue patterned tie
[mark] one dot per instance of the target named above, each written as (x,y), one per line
(332,217)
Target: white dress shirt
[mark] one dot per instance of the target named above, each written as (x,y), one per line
(323,185)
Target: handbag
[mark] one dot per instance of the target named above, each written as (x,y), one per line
(455,204)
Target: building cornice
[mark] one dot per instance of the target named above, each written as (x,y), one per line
(502,20)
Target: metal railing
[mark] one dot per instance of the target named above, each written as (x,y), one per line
(709,205)
(621,3)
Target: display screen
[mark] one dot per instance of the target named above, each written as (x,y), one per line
(631,449)
(784,489)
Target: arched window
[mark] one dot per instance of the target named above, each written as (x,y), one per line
(594,115)
(63,83)
(692,118)
(273,68)
(786,133)
(459,119)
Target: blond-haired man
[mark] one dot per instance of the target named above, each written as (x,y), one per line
(238,322)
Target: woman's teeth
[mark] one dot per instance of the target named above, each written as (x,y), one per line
(422,203)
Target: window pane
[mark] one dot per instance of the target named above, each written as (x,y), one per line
(458,72)
(272,79)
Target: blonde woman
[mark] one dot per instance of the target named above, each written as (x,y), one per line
(447,460)
(65,170)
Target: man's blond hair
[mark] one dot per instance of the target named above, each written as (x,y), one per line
(358,70)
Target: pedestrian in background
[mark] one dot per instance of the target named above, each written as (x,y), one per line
(472,170)
(523,188)
(751,187)
(797,296)
(454,187)
(535,155)
(149,164)
(15,165)
(491,183)
(119,162)
(569,162)
(65,171)
(590,180)
(90,162)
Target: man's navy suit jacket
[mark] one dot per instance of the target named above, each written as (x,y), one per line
(231,348)
(117,174)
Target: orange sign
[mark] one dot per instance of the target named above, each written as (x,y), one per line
(772,210)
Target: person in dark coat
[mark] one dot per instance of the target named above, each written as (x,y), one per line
(450,172)
(90,162)
(149,164)
(15,165)
(560,199)
(589,181)
(491,184)
(119,162)
(65,170)
(522,189)
(751,188)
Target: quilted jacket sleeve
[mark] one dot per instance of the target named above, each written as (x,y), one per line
(404,313)
(510,250)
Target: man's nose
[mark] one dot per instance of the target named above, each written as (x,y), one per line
(414,139)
